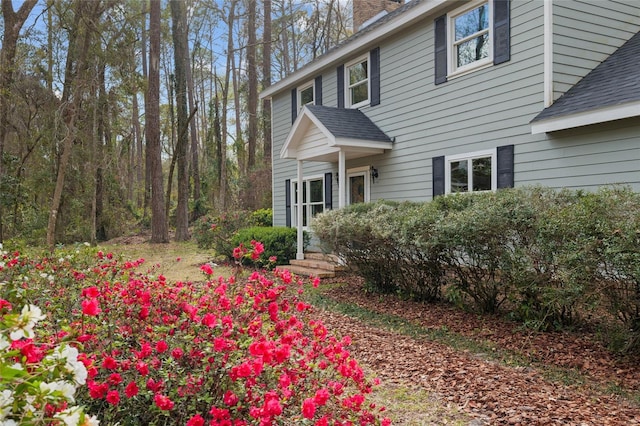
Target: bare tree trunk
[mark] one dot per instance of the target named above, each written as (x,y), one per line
(225,97)
(266,81)
(159,229)
(193,129)
(252,73)
(180,50)
(13,22)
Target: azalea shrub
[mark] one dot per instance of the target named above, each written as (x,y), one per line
(236,351)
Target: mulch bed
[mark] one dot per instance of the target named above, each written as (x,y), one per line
(489,391)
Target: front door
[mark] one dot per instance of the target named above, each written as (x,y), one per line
(358,185)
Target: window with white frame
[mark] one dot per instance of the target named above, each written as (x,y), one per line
(470,30)
(357,77)
(312,199)
(306,95)
(471,172)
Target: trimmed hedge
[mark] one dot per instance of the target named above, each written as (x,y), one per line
(548,258)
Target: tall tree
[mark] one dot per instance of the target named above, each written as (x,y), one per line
(266,81)
(252,74)
(13,22)
(159,228)
(181,52)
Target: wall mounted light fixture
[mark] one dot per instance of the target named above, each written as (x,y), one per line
(374,173)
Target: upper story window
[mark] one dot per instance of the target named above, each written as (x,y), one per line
(357,77)
(470,35)
(306,95)
(471,172)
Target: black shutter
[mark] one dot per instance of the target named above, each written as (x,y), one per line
(505,166)
(318,91)
(501,31)
(340,77)
(374,57)
(287,202)
(440,56)
(438,175)
(328,191)
(294,104)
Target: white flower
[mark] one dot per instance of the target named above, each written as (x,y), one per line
(70,354)
(29,316)
(70,416)
(91,421)
(67,389)
(6,401)
(8,423)
(4,343)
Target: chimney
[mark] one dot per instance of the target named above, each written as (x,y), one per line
(364,10)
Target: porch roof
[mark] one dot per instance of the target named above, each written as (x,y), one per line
(319,133)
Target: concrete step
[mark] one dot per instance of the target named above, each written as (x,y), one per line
(323,256)
(317,264)
(307,272)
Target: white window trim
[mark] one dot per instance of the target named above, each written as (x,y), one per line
(347,85)
(294,204)
(452,71)
(303,88)
(360,171)
(471,156)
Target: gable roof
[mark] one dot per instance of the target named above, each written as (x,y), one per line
(341,129)
(407,14)
(609,92)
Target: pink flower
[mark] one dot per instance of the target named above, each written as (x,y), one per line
(114,379)
(142,368)
(308,408)
(161,346)
(91,307)
(163,402)
(230,398)
(177,353)
(109,363)
(131,390)
(206,268)
(113,397)
(196,420)
(209,320)
(90,292)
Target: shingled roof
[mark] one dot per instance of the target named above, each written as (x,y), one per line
(348,123)
(344,130)
(613,83)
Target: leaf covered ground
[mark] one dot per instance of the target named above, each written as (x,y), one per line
(488,369)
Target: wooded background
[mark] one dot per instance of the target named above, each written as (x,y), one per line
(125,115)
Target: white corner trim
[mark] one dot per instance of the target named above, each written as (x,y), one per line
(340,54)
(600,115)
(548,52)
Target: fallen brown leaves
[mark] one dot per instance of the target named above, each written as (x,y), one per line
(489,391)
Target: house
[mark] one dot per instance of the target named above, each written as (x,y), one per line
(433,97)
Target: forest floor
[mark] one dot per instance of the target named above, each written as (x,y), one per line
(481,369)
(440,365)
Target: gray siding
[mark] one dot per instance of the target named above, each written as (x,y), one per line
(585,33)
(484,109)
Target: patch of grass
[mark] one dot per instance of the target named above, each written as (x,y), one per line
(416,407)
(177,261)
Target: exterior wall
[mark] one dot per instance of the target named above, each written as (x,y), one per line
(478,111)
(585,33)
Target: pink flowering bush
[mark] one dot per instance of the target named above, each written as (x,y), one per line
(218,352)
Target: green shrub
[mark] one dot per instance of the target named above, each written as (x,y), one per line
(262,217)
(278,241)
(216,232)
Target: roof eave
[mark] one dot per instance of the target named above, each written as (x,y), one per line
(333,57)
(585,118)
